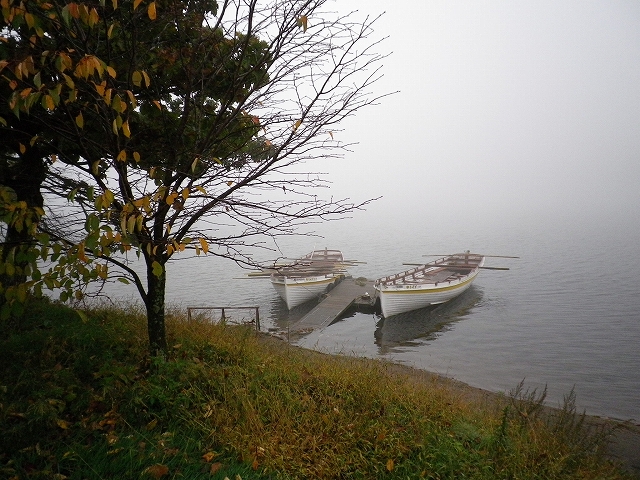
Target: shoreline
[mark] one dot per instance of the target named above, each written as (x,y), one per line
(624,443)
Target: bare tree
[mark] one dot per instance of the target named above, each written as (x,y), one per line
(189,115)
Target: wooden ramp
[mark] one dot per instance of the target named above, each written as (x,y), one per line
(336,302)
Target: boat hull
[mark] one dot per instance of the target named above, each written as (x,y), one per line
(405,298)
(429,284)
(296,291)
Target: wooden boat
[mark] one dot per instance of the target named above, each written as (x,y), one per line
(429,284)
(307,277)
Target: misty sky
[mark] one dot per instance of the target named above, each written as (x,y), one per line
(503,106)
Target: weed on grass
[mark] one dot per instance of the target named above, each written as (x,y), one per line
(79,398)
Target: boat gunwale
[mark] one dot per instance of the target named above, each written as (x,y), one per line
(425,288)
(429,271)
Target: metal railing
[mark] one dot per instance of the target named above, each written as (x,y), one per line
(223,317)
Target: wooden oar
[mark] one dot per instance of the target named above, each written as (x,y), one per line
(488,256)
(444,265)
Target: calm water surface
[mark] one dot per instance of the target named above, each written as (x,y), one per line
(566,314)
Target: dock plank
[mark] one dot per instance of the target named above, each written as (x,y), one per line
(332,306)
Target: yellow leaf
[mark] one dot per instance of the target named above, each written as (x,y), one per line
(390,465)
(122,156)
(136,78)
(136,156)
(136,4)
(204,245)
(81,254)
(125,129)
(302,21)
(297,125)
(230,183)
(152,424)
(96,64)
(157,104)
(185,193)
(114,125)
(109,197)
(110,70)
(131,224)
(132,99)
(93,17)
(158,471)
(80,120)
(207,457)
(147,80)
(169,249)
(100,88)
(63,424)
(110,31)
(94,167)
(30,20)
(171,198)
(22,149)
(151,10)
(201,189)
(49,102)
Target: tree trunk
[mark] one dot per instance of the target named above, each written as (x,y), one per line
(24,176)
(155,310)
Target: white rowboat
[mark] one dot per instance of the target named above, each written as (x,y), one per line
(429,284)
(308,277)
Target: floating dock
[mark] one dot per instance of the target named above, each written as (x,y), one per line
(348,292)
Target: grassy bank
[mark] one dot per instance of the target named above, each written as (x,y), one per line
(80,399)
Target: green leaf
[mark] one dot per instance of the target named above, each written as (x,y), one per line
(157,269)
(66,15)
(83,316)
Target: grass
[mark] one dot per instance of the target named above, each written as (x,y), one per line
(80,399)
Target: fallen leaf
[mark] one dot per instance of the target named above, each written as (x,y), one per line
(158,471)
(63,424)
(215,467)
(207,457)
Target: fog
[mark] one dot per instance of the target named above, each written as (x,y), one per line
(503,108)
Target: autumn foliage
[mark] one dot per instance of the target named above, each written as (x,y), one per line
(147,124)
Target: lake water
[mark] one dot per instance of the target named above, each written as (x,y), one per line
(566,314)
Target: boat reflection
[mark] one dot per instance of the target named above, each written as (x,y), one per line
(424,325)
(282,317)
